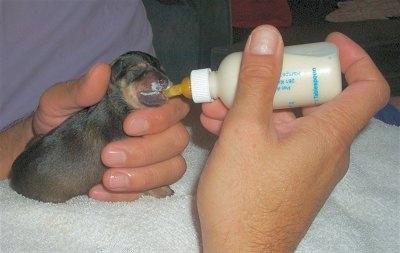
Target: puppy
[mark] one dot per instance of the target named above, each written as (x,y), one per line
(66,162)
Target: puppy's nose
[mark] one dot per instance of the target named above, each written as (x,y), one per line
(160,85)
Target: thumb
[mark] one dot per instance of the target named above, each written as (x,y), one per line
(259,73)
(92,87)
(73,95)
(65,98)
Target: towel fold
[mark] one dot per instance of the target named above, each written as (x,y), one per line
(360,216)
(358,10)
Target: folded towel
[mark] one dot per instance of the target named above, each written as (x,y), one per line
(362,214)
(358,10)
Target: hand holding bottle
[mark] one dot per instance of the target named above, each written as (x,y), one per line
(270,172)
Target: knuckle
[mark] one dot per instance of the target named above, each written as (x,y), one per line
(172,170)
(182,136)
(179,163)
(258,73)
(138,154)
(338,128)
(175,111)
(181,108)
(164,173)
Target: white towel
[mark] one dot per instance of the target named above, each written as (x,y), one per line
(362,214)
(358,10)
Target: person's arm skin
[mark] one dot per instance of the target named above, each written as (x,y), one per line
(269,173)
(12,141)
(135,164)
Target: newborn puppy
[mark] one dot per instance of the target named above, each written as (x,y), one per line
(66,162)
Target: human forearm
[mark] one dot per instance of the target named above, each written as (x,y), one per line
(250,239)
(12,141)
(264,220)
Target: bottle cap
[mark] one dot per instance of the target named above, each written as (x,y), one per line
(200,85)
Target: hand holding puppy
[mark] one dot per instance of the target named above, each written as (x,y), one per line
(157,162)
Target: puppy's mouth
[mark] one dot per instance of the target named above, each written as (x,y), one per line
(151,93)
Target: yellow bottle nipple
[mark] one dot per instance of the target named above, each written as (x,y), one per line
(182,88)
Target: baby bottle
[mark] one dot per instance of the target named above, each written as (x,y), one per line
(310,76)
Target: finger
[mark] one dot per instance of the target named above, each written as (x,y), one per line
(154,120)
(213,115)
(366,93)
(309,109)
(99,192)
(259,74)
(146,150)
(215,110)
(145,178)
(362,75)
(283,121)
(212,125)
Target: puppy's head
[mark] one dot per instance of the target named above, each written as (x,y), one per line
(140,79)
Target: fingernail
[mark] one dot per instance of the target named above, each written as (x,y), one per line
(263,41)
(137,126)
(115,157)
(98,192)
(118,180)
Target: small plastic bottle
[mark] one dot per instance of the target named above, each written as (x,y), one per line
(310,76)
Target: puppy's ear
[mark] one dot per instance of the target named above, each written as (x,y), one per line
(116,71)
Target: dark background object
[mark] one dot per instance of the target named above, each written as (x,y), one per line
(194,34)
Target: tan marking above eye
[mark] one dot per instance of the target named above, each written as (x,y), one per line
(141,65)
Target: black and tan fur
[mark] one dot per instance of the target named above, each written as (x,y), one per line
(66,162)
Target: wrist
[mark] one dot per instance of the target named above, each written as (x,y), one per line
(250,240)
(12,142)
(251,229)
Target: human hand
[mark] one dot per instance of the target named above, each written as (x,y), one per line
(154,160)
(135,164)
(270,172)
(56,104)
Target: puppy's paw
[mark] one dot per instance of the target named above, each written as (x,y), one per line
(161,192)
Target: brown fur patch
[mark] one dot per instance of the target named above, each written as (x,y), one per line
(129,93)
